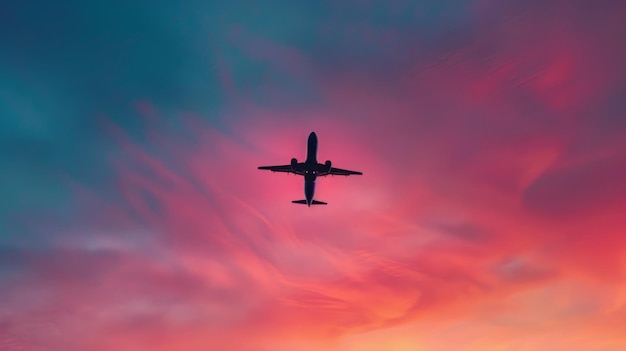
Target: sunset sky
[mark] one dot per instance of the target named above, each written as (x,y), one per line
(490,216)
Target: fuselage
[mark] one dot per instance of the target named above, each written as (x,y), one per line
(310,168)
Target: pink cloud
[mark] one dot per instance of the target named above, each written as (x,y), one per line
(473,221)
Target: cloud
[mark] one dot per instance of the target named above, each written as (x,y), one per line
(488,215)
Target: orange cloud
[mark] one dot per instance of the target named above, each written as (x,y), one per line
(486,218)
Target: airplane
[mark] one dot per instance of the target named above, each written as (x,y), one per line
(310,169)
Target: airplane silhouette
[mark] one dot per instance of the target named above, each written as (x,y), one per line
(310,169)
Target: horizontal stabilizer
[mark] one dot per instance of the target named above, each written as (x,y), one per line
(314,202)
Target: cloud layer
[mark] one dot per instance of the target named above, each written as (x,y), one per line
(489,216)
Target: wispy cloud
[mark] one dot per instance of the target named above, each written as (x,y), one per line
(489,216)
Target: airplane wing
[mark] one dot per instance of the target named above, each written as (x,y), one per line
(285,168)
(343,172)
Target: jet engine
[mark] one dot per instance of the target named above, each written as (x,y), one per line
(328,165)
(294,163)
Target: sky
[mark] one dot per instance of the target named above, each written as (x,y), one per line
(490,214)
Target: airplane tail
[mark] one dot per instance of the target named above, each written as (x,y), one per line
(314,202)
